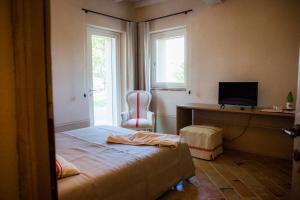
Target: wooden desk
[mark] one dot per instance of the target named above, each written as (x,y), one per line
(263,128)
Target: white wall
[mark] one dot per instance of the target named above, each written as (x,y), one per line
(68,29)
(8,143)
(238,40)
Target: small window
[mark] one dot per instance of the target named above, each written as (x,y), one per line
(168,59)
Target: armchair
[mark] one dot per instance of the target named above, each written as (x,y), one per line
(138,117)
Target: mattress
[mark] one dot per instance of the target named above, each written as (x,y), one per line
(116,171)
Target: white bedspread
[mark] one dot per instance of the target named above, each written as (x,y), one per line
(117,171)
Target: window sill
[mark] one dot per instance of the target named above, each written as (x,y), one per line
(169,89)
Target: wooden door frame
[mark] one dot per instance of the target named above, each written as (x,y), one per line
(296,164)
(34,110)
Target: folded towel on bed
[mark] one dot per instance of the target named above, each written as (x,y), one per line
(146,138)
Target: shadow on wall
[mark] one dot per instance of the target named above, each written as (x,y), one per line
(164,123)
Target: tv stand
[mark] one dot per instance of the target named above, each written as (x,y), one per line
(263,130)
(217,108)
(187,114)
(222,106)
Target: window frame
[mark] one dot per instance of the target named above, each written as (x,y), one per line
(164,34)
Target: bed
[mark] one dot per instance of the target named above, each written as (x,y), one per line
(116,171)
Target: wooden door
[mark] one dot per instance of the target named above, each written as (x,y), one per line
(34,111)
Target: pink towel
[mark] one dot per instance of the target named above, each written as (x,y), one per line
(146,138)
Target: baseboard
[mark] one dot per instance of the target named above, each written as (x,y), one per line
(164,115)
(71,126)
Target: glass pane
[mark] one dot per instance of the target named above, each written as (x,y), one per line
(102,80)
(170,60)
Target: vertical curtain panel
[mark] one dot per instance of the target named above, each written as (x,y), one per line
(138,56)
(131,58)
(143,67)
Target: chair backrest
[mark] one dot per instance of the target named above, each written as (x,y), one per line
(138,103)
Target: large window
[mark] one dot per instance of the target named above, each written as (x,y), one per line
(168,59)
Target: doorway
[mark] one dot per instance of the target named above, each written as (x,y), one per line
(103,77)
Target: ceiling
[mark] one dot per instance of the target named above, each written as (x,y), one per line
(128,0)
(141,3)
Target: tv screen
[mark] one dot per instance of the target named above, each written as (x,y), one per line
(238,93)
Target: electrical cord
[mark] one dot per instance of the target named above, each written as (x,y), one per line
(243,132)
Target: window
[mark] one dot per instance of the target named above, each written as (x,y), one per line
(168,59)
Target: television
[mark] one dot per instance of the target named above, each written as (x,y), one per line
(238,93)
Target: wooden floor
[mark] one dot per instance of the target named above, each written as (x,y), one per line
(236,175)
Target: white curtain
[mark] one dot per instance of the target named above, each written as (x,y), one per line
(143,67)
(131,57)
(138,56)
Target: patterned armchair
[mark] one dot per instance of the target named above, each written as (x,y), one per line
(138,117)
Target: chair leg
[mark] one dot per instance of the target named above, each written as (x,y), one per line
(152,129)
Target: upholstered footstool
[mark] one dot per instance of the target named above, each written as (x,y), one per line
(205,142)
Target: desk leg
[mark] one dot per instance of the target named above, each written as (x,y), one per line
(183,118)
(193,116)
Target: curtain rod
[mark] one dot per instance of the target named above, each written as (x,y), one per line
(126,20)
(170,15)
(91,11)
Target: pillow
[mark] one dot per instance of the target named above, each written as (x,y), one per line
(64,168)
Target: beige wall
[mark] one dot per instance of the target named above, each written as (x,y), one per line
(68,29)
(8,149)
(238,40)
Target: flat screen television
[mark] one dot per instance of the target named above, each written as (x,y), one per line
(238,93)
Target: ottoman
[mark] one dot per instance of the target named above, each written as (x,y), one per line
(205,142)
